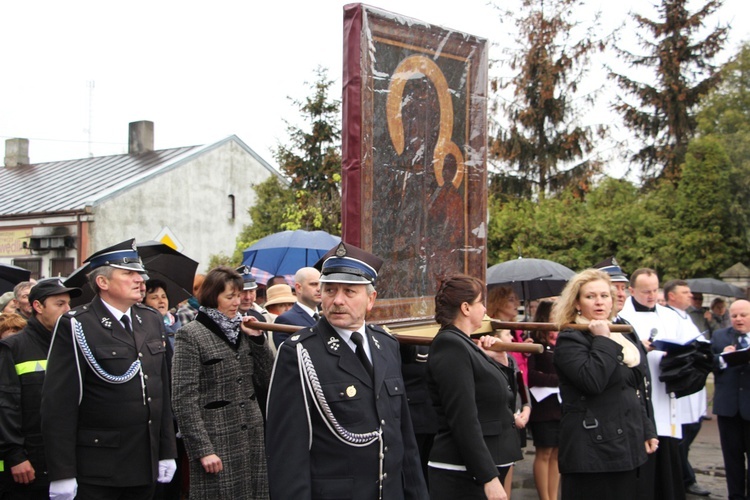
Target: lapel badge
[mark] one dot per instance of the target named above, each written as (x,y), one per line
(140,321)
(294,338)
(72,312)
(351,391)
(377,344)
(333,343)
(107,322)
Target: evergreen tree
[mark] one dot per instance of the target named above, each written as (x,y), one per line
(312,161)
(544,147)
(663,114)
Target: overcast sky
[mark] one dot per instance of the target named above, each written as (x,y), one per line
(75,71)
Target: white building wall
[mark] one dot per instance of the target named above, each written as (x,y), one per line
(192,200)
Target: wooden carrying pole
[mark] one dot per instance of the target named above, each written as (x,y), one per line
(405,338)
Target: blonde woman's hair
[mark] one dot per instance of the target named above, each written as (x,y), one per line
(564,311)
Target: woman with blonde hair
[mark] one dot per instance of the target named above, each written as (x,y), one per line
(605,431)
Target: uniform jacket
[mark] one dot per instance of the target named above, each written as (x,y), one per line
(732,384)
(542,373)
(295,316)
(605,420)
(475,402)
(100,432)
(217,409)
(414,371)
(306,460)
(23,359)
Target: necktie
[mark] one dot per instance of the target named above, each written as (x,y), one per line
(360,352)
(126,323)
(316,316)
(742,342)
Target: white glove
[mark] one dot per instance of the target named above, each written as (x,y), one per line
(167,469)
(63,489)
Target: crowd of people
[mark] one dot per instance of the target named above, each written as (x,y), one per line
(125,397)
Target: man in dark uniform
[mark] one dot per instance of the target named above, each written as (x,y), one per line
(338,420)
(106,418)
(248,306)
(23,359)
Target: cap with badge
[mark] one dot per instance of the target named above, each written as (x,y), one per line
(346,263)
(248,279)
(51,286)
(611,267)
(121,256)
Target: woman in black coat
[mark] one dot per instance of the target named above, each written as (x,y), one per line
(605,431)
(471,389)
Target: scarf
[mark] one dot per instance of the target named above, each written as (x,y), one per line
(229,326)
(631,356)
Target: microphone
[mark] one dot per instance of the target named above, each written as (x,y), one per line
(652,335)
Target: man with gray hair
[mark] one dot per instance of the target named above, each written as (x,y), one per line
(21,294)
(106,419)
(338,421)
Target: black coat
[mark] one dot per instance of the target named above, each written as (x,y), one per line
(306,458)
(605,420)
(112,437)
(23,358)
(475,402)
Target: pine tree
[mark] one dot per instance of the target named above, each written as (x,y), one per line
(544,147)
(312,161)
(663,115)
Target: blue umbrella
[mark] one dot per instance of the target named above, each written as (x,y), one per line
(286,252)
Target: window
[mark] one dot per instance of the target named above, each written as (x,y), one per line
(231,206)
(33,265)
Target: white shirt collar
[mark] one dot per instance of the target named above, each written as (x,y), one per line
(347,336)
(309,311)
(116,312)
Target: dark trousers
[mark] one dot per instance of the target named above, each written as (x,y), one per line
(458,485)
(734,434)
(668,479)
(689,432)
(94,492)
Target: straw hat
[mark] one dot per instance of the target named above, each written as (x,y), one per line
(280,294)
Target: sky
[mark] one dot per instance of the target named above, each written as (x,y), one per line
(75,73)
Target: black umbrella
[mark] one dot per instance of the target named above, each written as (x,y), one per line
(530,278)
(161,261)
(172,267)
(715,287)
(10,276)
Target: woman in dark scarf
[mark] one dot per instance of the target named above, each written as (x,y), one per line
(217,363)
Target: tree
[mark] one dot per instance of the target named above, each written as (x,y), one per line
(544,147)
(709,240)
(663,115)
(312,161)
(725,117)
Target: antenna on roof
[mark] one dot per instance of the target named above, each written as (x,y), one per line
(91,113)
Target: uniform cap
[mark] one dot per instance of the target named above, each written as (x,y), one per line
(611,267)
(122,256)
(346,263)
(51,286)
(248,279)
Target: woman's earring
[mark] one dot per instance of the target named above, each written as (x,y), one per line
(578,311)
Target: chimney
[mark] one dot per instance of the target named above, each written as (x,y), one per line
(16,152)
(141,137)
